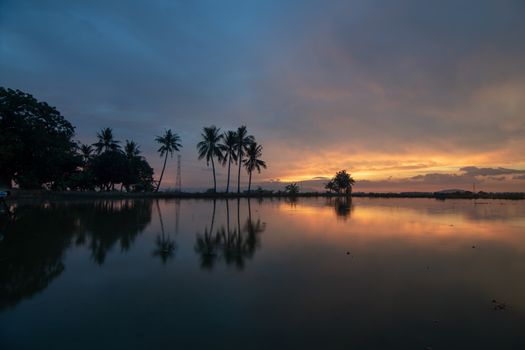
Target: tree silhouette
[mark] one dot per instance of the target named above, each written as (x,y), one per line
(292,189)
(229,148)
(209,148)
(341,182)
(86,151)
(253,161)
(131,149)
(36,146)
(106,141)
(243,141)
(169,143)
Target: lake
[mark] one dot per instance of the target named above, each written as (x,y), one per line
(311,273)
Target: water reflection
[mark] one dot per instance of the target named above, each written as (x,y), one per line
(342,205)
(234,246)
(36,238)
(142,277)
(164,245)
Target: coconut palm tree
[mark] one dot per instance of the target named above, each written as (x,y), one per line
(131,149)
(253,161)
(106,141)
(209,148)
(229,147)
(86,151)
(169,143)
(243,141)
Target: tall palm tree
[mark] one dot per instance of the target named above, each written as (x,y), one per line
(243,141)
(131,149)
(169,143)
(229,147)
(106,141)
(253,161)
(209,148)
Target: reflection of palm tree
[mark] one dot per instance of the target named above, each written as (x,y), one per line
(292,201)
(206,244)
(253,230)
(169,143)
(165,246)
(342,206)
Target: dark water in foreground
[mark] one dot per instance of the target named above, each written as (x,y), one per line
(314,274)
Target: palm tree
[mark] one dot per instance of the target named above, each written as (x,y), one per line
(243,141)
(86,151)
(209,148)
(106,141)
(169,143)
(229,147)
(131,149)
(254,161)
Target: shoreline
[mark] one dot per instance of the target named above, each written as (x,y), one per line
(47,195)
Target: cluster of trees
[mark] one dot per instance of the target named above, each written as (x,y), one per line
(231,147)
(37,150)
(105,164)
(342,182)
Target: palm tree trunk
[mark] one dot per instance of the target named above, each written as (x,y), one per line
(214,179)
(229,165)
(250,183)
(162,172)
(239,173)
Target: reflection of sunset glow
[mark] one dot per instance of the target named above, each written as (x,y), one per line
(405,221)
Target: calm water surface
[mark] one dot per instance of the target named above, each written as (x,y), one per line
(314,273)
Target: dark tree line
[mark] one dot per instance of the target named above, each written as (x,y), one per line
(37,150)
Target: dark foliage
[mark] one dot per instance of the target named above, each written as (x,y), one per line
(36,146)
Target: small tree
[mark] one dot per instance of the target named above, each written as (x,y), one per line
(342,182)
(292,189)
(330,186)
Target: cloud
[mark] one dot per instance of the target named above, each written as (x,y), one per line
(379,88)
(475,171)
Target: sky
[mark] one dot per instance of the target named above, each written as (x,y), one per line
(406,95)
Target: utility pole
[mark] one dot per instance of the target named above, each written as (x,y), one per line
(178,183)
